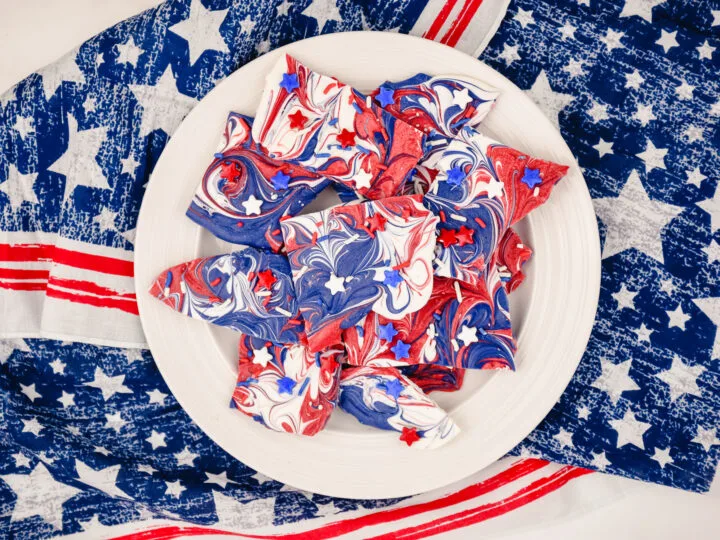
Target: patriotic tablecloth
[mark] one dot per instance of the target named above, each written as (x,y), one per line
(92,437)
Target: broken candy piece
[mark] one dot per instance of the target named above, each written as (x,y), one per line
(249,291)
(243,193)
(384,398)
(434,378)
(348,260)
(328,127)
(512,254)
(286,388)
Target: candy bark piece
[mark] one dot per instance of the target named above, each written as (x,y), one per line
(384,398)
(434,378)
(319,123)
(482,189)
(249,291)
(512,254)
(349,260)
(244,194)
(287,388)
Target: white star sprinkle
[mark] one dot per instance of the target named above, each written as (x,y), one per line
(261,356)
(468,335)
(336,284)
(252,205)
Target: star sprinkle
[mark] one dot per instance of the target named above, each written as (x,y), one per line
(393,388)
(468,335)
(261,357)
(266,279)
(392,278)
(286,385)
(455,176)
(336,284)
(280,180)
(252,205)
(387,332)
(376,222)
(448,237)
(346,138)
(464,236)
(531,178)
(229,170)
(385,96)
(297,120)
(289,82)
(409,436)
(401,350)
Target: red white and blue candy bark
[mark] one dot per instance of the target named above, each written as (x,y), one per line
(249,291)
(319,123)
(244,193)
(483,188)
(384,398)
(512,254)
(349,260)
(434,378)
(287,388)
(459,327)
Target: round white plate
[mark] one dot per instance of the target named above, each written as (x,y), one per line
(553,310)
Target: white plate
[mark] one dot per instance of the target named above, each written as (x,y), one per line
(553,310)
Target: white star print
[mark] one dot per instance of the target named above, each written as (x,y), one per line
(24,126)
(156,396)
(252,205)
(603,147)
(30,391)
(695,177)
(574,68)
(93,525)
(106,219)
(493,188)
(89,105)
(261,356)
(712,207)
(39,494)
(186,457)
(261,478)
(283,9)
(713,251)
(32,426)
(711,308)
(705,51)
(103,479)
(66,399)
(468,335)
(101,450)
(45,458)
(567,31)
(625,298)
(114,421)
(58,366)
(263,46)
(662,457)
(707,438)
(247,25)
(237,516)
(549,101)
(201,30)
(21,460)
(525,18)
(64,70)
(509,54)
(630,430)
(678,318)
(694,134)
(564,438)
(600,461)
(323,11)
(74,430)
(583,413)
(612,40)
(681,379)
(643,333)
(147,469)
(78,163)
(633,220)
(336,284)
(667,286)
(133,355)
(163,106)
(109,386)
(685,90)
(19,187)
(7,346)
(634,80)
(174,488)
(641,8)
(8,97)
(129,165)
(716,17)
(328,509)
(644,114)
(715,108)
(129,235)
(156,440)
(220,479)
(667,40)
(615,379)
(654,158)
(128,52)
(598,112)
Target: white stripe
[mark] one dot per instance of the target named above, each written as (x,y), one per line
(22,237)
(92,249)
(122,284)
(25,265)
(60,288)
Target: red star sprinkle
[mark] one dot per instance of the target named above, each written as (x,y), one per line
(409,435)
(297,120)
(448,237)
(346,138)
(464,236)
(229,171)
(266,279)
(376,223)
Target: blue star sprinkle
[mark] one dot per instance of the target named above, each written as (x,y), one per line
(387,332)
(286,385)
(280,180)
(401,350)
(385,96)
(393,388)
(531,177)
(289,82)
(392,278)
(455,176)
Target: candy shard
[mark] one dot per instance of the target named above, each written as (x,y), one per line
(364,394)
(434,378)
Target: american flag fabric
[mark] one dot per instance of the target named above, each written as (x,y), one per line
(93,442)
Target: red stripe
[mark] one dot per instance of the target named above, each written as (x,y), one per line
(530,493)
(26,252)
(97,263)
(23,286)
(90,287)
(440,19)
(122,304)
(461,22)
(22,273)
(331,530)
